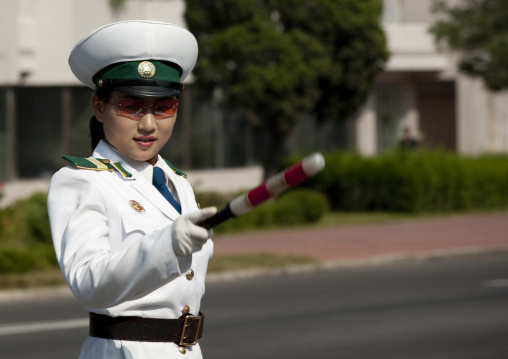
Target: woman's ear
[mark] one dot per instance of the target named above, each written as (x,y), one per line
(97,107)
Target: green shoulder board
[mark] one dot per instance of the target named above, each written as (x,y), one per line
(176,170)
(96,164)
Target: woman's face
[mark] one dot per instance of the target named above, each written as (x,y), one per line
(130,123)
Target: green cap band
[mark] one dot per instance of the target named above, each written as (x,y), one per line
(135,70)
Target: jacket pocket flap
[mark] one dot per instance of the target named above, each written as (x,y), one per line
(142,223)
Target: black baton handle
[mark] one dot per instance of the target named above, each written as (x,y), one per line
(221,216)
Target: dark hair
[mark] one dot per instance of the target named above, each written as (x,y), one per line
(96,129)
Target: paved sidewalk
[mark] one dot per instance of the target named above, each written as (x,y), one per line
(418,238)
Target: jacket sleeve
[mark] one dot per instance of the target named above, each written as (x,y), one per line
(98,276)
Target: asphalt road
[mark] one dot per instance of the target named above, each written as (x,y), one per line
(453,308)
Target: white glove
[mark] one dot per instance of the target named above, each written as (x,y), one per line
(186,236)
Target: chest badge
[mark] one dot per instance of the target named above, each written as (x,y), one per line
(137,206)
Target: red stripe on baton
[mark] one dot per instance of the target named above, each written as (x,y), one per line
(258,195)
(295,175)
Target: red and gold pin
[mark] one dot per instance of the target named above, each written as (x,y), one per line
(137,206)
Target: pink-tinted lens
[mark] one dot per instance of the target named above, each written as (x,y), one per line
(165,108)
(130,108)
(136,109)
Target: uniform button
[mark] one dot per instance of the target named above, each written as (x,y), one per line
(182,349)
(106,161)
(186,310)
(190,274)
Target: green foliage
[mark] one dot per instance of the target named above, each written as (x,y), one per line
(414,182)
(117,5)
(27,259)
(300,206)
(277,59)
(477,29)
(208,199)
(25,237)
(27,220)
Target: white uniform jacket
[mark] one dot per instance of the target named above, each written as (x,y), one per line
(119,261)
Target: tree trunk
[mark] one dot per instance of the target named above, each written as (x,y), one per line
(273,156)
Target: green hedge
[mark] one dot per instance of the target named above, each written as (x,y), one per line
(413,182)
(25,221)
(25,237)
(26,259)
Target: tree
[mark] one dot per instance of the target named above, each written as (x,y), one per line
(478,30)
(277,59)
(117,5)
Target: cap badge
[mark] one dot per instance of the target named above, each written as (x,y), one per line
(137,207)
(146,69)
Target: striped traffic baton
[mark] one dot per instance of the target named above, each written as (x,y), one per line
(292,176)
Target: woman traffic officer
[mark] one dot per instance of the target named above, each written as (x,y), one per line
(123,220)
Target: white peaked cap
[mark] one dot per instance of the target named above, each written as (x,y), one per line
(133,40)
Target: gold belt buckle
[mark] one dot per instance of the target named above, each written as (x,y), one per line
(184,329)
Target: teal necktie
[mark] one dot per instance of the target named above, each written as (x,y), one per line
(159,183)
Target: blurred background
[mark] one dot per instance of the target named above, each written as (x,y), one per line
(398,248)
(369,76)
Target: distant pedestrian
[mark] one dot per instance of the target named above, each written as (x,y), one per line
(408,141)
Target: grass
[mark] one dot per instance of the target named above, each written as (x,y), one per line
(261,260)
(50,277)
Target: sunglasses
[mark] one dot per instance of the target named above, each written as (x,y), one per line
(135,109)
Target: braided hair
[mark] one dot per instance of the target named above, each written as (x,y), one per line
(96,129)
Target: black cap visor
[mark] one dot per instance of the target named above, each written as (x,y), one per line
(146,88)
(148,91)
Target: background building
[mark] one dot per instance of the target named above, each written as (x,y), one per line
(420,90)
(44,110)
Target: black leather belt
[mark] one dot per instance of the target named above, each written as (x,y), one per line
(185,330)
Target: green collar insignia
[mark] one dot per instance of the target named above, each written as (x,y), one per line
(96,164)
(99,164)
(176,170)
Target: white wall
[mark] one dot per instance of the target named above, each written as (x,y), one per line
(482,125)
(365,127)
(412,52)
(38,35)
(8,40)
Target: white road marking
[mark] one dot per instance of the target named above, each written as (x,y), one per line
(23,328)
(495,283)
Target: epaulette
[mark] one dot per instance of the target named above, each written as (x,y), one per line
(176,170)
(96,164)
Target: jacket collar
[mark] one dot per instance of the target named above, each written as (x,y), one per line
(140,182)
